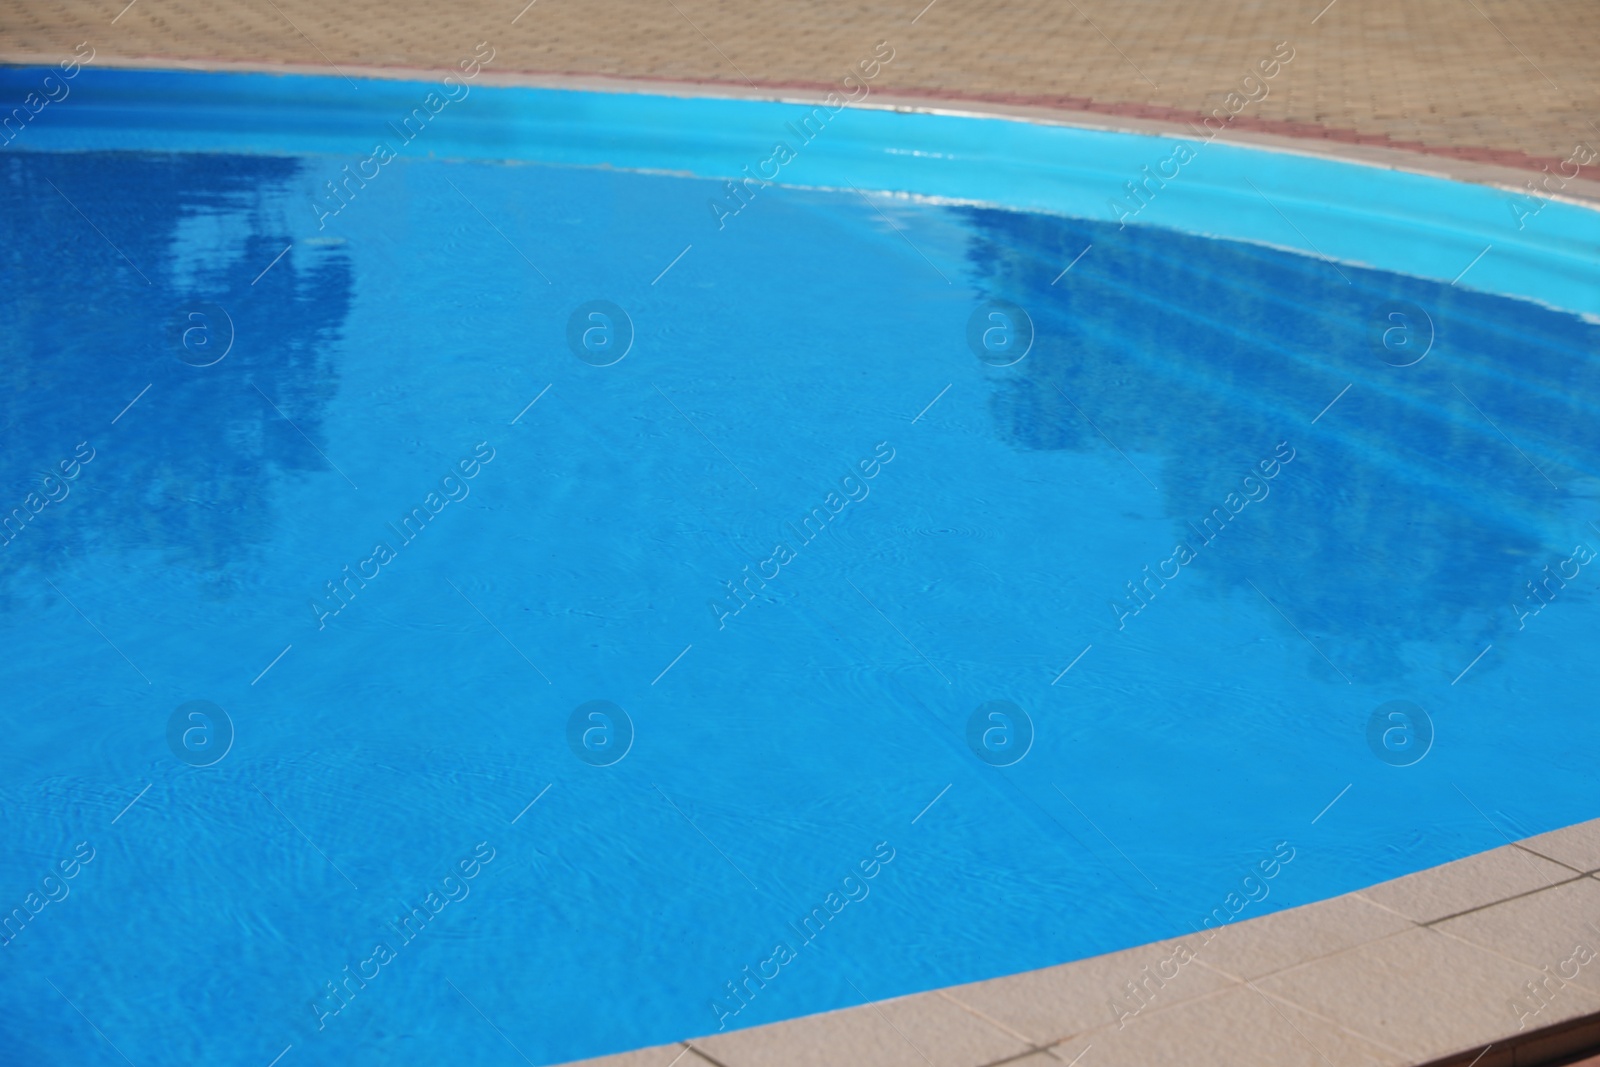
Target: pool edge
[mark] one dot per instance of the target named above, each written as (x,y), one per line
(1360,213)
(1447,951)
(1478,165)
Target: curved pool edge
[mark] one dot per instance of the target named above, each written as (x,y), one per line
(1468,228)
(1449,966)
(1479,164)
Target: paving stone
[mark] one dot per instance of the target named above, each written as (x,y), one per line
(1473,882)
(1056,1002)
(911,1031)
(1237,1027)
(659,1056)
(1260,946)
(1421,992)
(1576,846)
(1542,930)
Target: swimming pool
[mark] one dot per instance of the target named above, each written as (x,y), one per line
(401,480)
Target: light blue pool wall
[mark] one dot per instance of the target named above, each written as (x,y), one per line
(1392,220)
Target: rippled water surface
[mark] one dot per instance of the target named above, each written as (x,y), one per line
(398,534)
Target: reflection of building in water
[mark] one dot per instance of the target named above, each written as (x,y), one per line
(89,328)
(1411,518)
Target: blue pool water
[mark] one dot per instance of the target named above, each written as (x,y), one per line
(597,882)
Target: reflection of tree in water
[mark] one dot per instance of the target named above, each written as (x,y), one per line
(186,469)
(1409,518)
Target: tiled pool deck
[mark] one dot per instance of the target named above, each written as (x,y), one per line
(1426,969)
(1423,970)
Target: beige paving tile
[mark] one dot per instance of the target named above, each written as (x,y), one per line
(1421,992)
(1576,846)
(1541,930)
(659,1056)
(1467,883)
(1056,1002)
(909,1032)
(1237,1027)
(1260,946)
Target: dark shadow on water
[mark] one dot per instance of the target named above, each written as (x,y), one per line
(1406,516)
(100,273)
